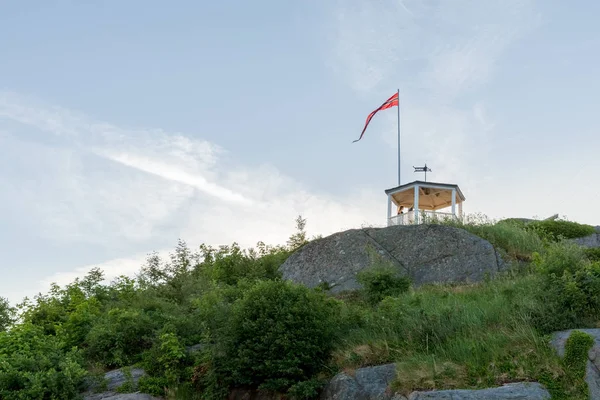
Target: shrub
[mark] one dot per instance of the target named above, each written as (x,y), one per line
(561,229)
(280,334)
(230,264)
(508,236)
(380,282)
(36,366)
(210,376)
(593,254)
(119,338)
(571,299)
(306,390)
(168,359)
(576,353)
(575,361)
(152,385)
(560,257)
(570,294)
(79,322)
(516,240)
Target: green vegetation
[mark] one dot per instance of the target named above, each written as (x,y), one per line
(382,281)
(553,229)
(509,237)
(250,329)
(280,334)
(6,314)
(593,254)
(557,229)
(575,361)
(34,365)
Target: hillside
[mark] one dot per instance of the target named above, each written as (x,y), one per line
(218,323)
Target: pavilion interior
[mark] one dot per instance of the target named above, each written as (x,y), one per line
(430,199)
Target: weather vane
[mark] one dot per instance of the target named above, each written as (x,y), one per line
(422,169)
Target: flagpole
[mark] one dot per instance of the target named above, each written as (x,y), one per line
(399,178)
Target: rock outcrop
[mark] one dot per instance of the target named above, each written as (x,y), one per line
(115,379)
(510,391)
(592,240)
(373,383)
(592,373)
(426,253)
(370,383)
(195,348)
(120,396)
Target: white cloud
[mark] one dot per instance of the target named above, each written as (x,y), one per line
(441,47)
(435,52)
(175,174)
(126,189)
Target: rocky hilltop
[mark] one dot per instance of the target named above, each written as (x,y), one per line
(221,324)
(425,253)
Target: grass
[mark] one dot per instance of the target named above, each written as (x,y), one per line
(510,238)
(445,337)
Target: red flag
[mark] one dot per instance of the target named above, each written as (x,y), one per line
(391,102)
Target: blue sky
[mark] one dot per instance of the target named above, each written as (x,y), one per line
(127,125)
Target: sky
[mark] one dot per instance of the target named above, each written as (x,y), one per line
(125,126)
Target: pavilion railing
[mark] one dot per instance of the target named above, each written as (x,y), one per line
(423,217)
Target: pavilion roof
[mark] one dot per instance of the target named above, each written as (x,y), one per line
(432,195)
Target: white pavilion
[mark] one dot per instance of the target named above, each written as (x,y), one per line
(420,202)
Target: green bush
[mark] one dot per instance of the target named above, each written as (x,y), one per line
(153,385)
(168,359)
(557,229)
(570,299)
(380,282)
(570,294)
(210,376)
(577,347)
(510,237)
(279,334)
(52,310)
(558,258)
(36,366)
(119,337)
(593,254)
(306,390)
(575,361)
(79,322)
(230,264)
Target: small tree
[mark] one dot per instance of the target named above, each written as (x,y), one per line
(280,334)
(298,239)
(7,314)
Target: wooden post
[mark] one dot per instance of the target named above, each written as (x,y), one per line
(454,202)
(389,210)
(416,205)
